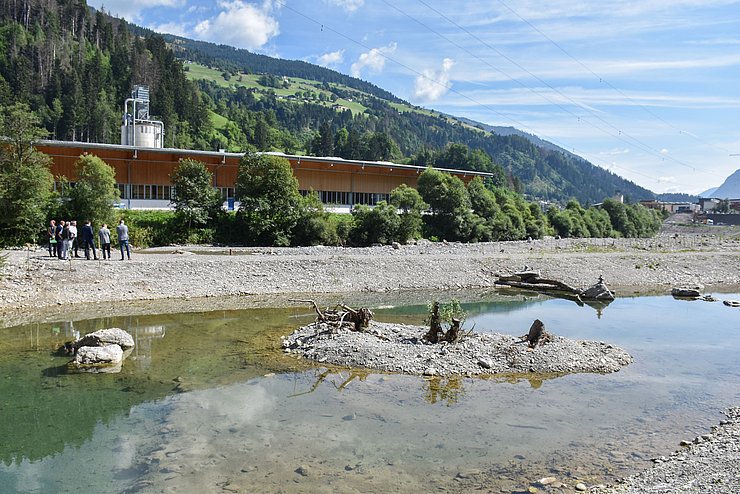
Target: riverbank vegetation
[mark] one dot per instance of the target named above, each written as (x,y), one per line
(273,212)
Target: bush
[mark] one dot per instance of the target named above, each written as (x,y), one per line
(377,225)
(160,228)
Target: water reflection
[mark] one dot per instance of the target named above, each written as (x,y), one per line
(210,402)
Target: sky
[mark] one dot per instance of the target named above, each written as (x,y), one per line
(649,89)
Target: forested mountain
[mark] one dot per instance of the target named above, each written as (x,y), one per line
(75,66)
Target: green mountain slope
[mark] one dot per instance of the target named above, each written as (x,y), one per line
(75,66)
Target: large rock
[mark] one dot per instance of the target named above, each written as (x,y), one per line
(99,355)
(599,291)
(102,337)
(102,350)
(106,358)
(686,292)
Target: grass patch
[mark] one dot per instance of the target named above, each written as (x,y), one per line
(218,121)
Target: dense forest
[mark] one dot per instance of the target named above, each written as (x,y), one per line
(75,66)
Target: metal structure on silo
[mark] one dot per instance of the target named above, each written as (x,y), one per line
(137,128)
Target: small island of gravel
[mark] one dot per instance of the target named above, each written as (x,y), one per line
(403,349)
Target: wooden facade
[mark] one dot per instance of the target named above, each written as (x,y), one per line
(143,174)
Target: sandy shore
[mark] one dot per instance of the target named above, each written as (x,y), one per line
(33,287)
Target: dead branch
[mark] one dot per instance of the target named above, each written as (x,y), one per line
(341,314)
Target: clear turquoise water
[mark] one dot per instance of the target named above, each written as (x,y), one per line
(207,403)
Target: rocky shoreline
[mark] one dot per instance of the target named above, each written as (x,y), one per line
(709,463)
(34,286)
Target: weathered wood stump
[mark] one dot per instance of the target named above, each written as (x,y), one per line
(359,319)
(435,333)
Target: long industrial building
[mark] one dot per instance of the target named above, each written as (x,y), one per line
(143,173)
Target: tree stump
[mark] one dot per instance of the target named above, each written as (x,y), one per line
(453,334)
(435,333)
(535,333)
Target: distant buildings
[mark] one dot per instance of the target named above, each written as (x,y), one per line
(672,207)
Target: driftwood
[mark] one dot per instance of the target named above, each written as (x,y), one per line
(531,280)
(341,315)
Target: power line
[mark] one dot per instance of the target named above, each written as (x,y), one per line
(606,82)
(509,118)
(633,140)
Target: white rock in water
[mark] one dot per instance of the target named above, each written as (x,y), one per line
(99,355)
(110,336)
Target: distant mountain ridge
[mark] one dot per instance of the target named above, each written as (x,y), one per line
(730,188)
(230,58)
(708,192)
(508,130)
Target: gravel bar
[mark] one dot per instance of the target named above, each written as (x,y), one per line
(403,349)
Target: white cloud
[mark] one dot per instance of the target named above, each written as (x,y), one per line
(239,24)
(433,84)
(615,152)
(332,58)
(171,28)
(131,9)
(669,179)
(347,5)
(374,60)
(664,151)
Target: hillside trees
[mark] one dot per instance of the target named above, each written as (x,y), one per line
(75,69)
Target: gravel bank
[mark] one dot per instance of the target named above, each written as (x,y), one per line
(32,280)
(708,464)
(402,348)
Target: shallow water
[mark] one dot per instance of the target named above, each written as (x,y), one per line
(207,403)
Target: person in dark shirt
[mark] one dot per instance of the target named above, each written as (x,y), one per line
(51,232)
(88,242)
(58,236)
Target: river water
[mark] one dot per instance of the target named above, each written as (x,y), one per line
(208,403)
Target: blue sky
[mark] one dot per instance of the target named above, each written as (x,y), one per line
(649,89)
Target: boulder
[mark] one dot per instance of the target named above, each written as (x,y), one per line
(109,336)
(100,351)
(106,358)
(686,292)
(599,291)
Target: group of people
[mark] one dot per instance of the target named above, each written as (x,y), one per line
(63,239)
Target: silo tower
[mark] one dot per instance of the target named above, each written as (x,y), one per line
(137,128)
